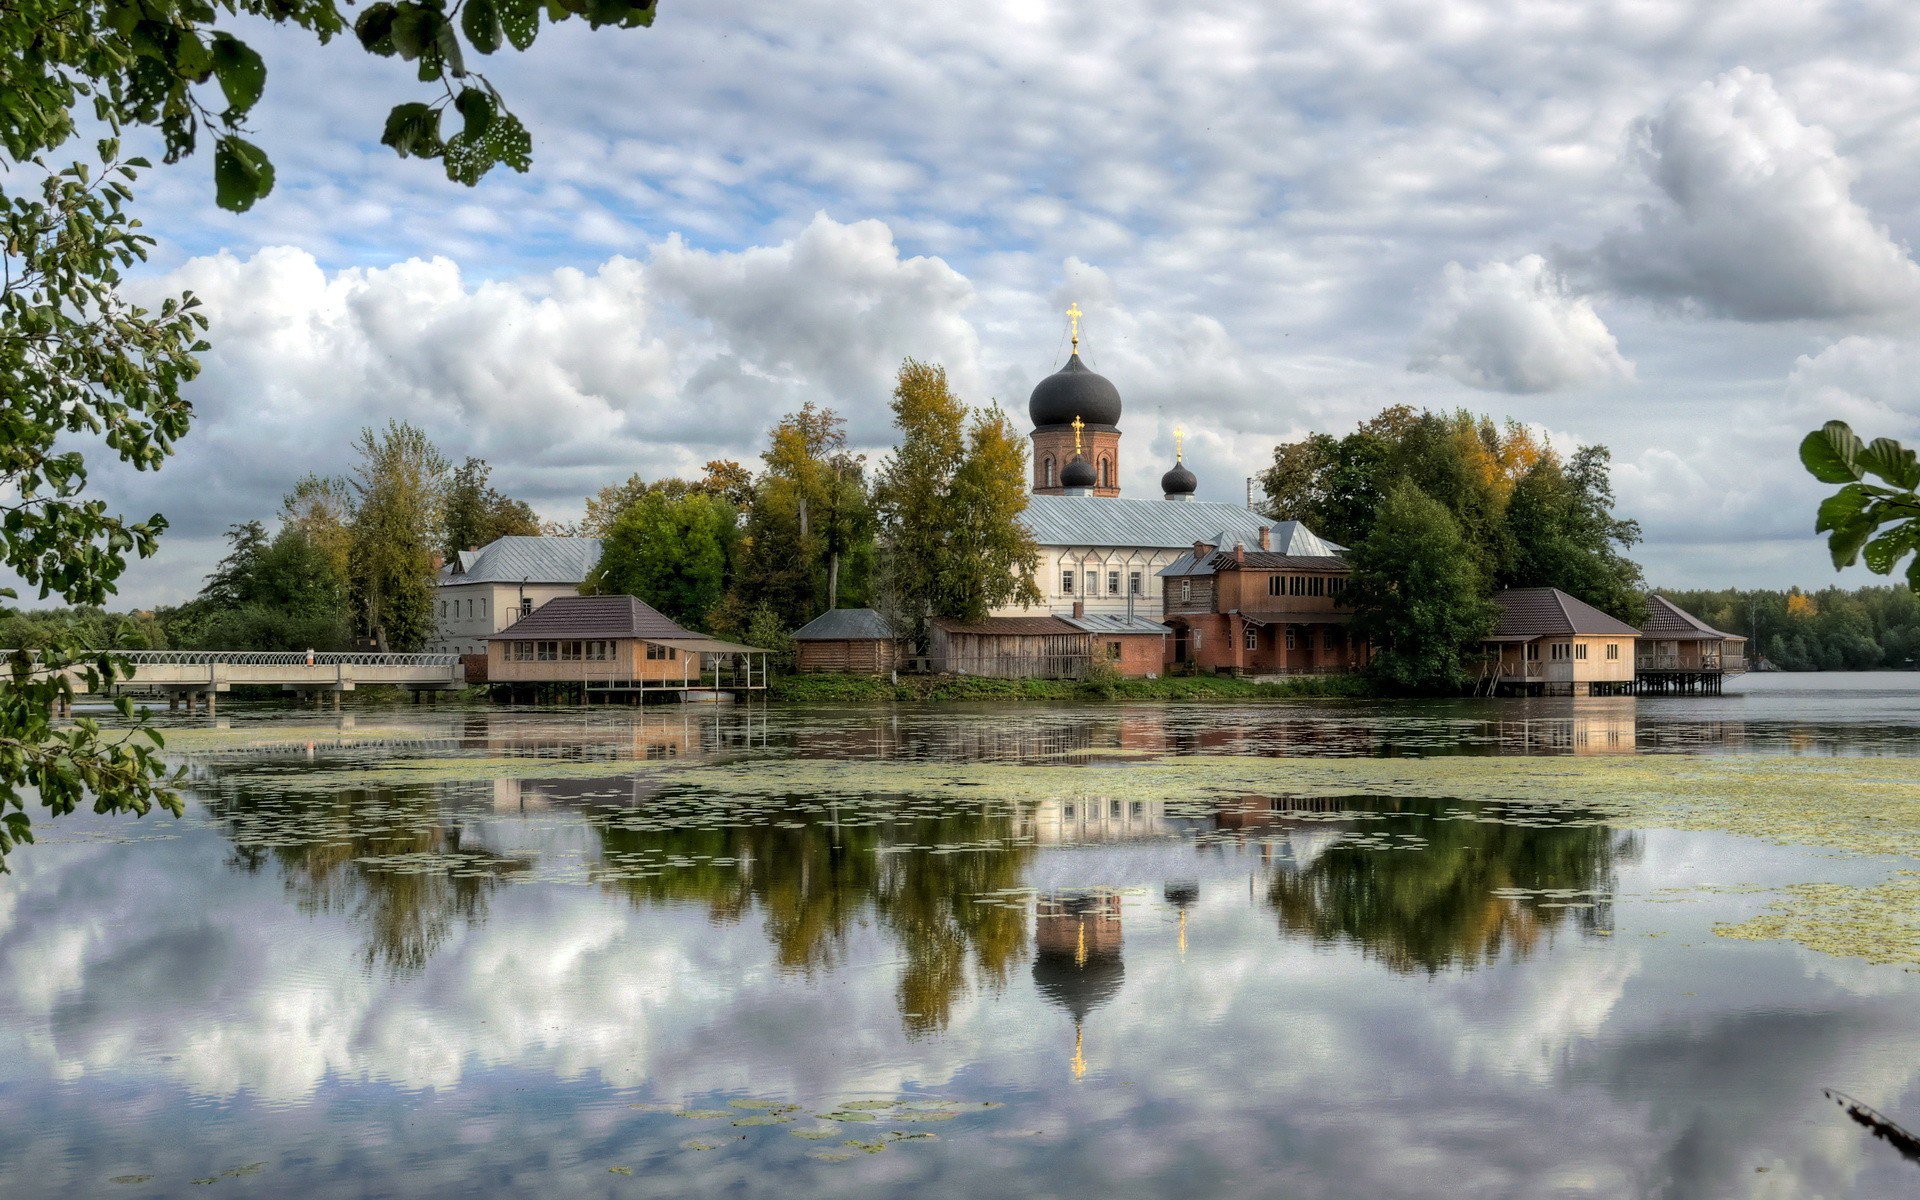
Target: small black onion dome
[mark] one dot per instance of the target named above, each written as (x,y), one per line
(1074,391)
(1179,481)
(1079,473)
(1079,988)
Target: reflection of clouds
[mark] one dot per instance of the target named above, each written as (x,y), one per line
(1255,1064)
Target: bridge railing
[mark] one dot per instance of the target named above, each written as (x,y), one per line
(272,658)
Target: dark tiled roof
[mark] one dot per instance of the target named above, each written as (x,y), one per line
(845,624)
(1544,612)
(593,617)
(1665,619)
(1008,626)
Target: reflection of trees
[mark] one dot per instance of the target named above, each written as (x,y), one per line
(407,908)
(1430,908)
(814,879)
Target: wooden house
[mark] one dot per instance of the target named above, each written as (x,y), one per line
(857,640)
(1277,608)
(1010,647)
(613,648)
(1548,643)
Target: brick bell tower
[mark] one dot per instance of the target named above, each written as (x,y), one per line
(1075,396)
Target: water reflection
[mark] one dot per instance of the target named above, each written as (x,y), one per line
(465,988)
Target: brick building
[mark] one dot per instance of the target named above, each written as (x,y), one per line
(1275,608)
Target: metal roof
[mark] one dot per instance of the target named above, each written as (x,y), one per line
(1530,613)
(1009,626)
(1256,560)
(1665,619)
(518,559)
(1116,624)
(1160,524)
(845,624)
(595,617)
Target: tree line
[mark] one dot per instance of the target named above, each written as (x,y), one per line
(1833,629)
(353,561)
(1440,509)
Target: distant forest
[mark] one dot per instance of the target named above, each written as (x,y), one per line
(1833,629)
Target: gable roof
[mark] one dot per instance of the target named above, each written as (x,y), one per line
(517,558)
(1665,619)
(1256,560)
(1528,613)
(1159,524)
(845,624)
(595,617)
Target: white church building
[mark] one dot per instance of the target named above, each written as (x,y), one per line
(1098,549)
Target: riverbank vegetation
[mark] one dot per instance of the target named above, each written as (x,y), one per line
(1833,629)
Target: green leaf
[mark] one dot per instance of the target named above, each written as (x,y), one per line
(375,29)
(1885,552)
(1832,453)
(415,27)
(241,72)
(1892,462)
(241,174)
(477,108)
(413,130)
(1842,507)
(481,21)
(1846,541)
(520,21)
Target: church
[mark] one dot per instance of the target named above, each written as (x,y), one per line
(1100,552)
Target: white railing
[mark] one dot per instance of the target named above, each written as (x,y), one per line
(268,658)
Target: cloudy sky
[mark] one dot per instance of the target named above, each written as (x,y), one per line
(1680,229)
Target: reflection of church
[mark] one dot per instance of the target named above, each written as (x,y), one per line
(1077,962)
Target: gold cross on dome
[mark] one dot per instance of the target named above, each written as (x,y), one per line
(1179,442)
(1078,425)
(1074,314)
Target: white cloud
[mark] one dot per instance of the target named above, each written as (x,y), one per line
(1516,327)
(1758,219)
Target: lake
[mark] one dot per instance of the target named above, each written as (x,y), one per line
(1608,947)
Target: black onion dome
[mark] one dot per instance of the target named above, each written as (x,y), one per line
(1179,481)
(1079,988)
(1079,473)
(1074,391)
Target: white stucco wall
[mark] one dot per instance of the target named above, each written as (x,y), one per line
(1097,563)
(465,613)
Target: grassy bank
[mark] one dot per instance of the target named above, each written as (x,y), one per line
(913,688)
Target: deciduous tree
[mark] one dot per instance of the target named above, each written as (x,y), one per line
(674,552)
(399,488)
(477,513)
(1418,596)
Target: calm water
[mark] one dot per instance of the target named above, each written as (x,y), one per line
(599,982)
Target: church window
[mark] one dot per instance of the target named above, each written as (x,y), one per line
(1133,582)
(1113,583)
(1066,583)
(1106,473)
(1049,471)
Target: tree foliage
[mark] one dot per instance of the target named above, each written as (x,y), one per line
(1418,595)
(181,68)
(399,496)
(1879,522)
(808,541)
(477,513)
(724,479)
(1523,515)
(948,502)
(1834,629)
(673,551)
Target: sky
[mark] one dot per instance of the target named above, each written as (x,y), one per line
(1678,229)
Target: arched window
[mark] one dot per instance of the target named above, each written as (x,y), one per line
(1049,471)
(1106,472)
